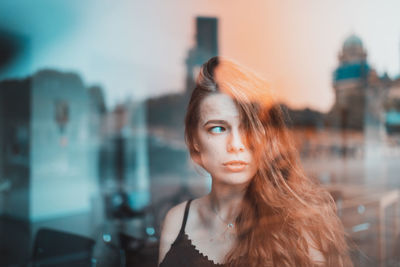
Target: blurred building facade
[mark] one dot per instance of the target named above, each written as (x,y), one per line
(350,81)
(363,99)
(168,110)
(49,149)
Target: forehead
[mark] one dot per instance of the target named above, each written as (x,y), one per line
(218,107)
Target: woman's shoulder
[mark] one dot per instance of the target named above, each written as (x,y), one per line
(170,228)
(173,221)
(176,213)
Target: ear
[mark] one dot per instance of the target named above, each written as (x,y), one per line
(196,155)
(196,147)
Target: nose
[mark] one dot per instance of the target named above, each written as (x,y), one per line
(235,142)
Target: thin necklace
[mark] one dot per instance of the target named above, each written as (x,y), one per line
(228,224)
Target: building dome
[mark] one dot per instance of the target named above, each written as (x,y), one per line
(352,41)
(349,71)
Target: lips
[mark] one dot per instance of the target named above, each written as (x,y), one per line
(235,165)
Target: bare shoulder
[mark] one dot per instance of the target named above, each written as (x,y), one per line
(170,228)
(173,221)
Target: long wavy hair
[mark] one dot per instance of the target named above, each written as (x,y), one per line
(283,212)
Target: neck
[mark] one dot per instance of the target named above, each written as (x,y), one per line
(226,199)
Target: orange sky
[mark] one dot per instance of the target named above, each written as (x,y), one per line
(294,44)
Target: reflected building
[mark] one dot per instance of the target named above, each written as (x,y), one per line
(350,83)
(15,110)
(205,48)
(49,149)
(168,110)
(360,92)
(358,126)
(359,97)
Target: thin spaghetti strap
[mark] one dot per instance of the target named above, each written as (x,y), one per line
(181,232)
(185,216)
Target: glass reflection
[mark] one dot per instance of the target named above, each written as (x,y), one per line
(73,163)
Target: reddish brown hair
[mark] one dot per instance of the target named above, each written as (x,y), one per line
(283,211)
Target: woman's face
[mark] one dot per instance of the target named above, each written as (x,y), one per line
(221,142)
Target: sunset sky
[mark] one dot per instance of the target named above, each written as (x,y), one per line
(137,48)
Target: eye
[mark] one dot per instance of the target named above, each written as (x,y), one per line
(217,129)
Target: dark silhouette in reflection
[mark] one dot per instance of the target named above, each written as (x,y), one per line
(54,248)
(11,47)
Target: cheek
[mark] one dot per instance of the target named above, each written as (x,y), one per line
(211,153)
(210,144)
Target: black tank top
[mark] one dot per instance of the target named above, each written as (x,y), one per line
(183,252)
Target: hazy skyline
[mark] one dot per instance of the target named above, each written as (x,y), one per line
(138,48)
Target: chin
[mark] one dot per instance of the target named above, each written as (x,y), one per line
(235,179)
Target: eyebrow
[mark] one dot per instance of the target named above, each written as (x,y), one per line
(215,122)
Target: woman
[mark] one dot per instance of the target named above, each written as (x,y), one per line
(262,210)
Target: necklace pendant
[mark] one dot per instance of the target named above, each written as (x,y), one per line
(230,225)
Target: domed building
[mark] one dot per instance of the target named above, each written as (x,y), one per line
(353,50)
(350,82)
